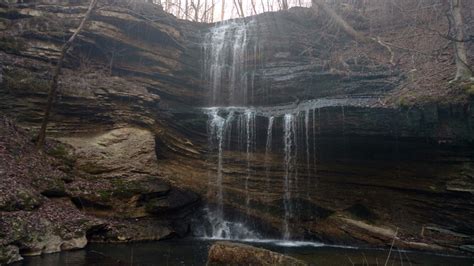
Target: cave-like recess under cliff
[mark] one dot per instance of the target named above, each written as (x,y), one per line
(134,109)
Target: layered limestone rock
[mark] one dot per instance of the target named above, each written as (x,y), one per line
(57,201)
(129,62)
(123,178)
(127,111)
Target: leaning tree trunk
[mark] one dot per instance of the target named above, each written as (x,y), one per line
(339,21)
(348,29)
(57,71)
(463,72)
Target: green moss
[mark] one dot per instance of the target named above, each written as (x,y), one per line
(105,195)
(12,45)
(92,168)
(470,89)
(123,189)
(19,80)
(403,103)
(60,152)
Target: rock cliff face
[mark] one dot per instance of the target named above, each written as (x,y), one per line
(127,68)
(128,112)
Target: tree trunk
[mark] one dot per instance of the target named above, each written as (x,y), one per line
(57,71)
(196,11)
(339,21)
(240,10)
(254,8)
(463,72)
(186,9)
(222,10)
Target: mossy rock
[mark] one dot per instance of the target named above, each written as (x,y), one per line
(22,200)
(3,24)
(470,89)
(157,205)
(93,169)
(19,80)
(9,254)
(403,103)
(11,45)
(124,189)
(50,186)
(60,152)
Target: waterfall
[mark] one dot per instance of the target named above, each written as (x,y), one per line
(250,140)
(230,57)
(306,136)
(219,129)
(235,129)
(268,150)
(290,156)
(314,139)
(226,52)
(216,132)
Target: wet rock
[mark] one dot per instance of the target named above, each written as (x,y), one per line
(227,253)
(120,230)
(174,201)
(128,111)
(468,248)
(53,227)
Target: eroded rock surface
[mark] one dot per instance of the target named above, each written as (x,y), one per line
(134,145)
(227,253)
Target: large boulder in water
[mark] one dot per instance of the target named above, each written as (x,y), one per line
(227,253)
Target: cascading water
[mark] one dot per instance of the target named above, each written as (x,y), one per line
(218,128)
(250,134)
(290,156)
(230,64)
(227,52)
(216,132)
(268,150)
(235,128)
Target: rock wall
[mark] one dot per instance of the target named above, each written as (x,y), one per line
(128,111)
(129,66)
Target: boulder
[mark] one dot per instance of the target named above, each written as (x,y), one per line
(227,253)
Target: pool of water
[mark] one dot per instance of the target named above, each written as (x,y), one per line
(194,252)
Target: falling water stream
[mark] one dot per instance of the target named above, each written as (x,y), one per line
(289,143)
(230,59)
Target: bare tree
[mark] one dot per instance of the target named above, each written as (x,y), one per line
(321,4)
(57,71)
(222,9)
(240,8)
(254,8)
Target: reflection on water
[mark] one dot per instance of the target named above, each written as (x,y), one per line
(194,252)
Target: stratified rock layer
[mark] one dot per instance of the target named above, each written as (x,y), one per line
(127,112)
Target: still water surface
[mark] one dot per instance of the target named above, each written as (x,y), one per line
(194,252)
